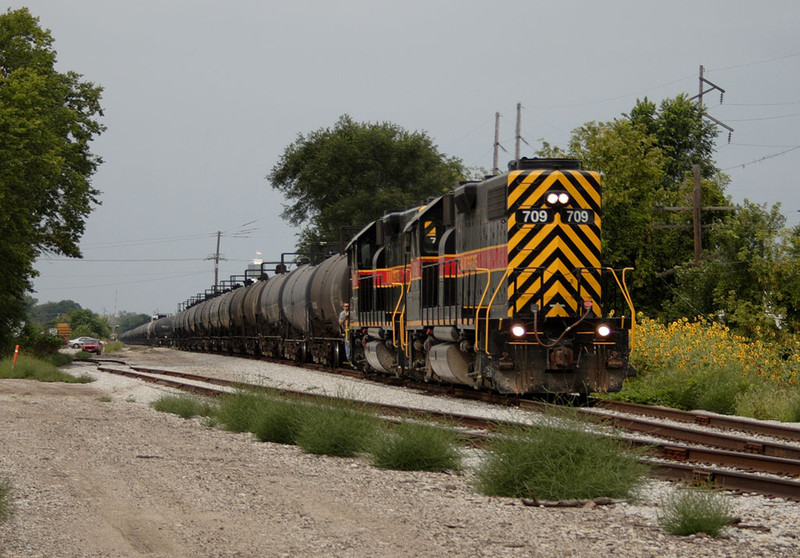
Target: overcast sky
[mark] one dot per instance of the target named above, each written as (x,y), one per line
(201,97)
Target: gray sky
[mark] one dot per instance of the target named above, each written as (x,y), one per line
(201,97)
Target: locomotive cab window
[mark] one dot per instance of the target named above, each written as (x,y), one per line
(429,238)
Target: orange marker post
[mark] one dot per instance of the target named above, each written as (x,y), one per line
(16,352)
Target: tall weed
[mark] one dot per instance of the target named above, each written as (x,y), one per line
(689,511)
(29,368)
(411,446)
(238,411)
(185,406)
(339,429)
(554,462)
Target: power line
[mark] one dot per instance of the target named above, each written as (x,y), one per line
(765,118)
(61,288)
(125,260)
(756,63)
(764,158)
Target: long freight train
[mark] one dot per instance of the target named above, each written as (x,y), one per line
(496,285)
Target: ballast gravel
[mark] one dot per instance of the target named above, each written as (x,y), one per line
(95,471)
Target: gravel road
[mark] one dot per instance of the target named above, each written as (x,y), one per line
(97,472)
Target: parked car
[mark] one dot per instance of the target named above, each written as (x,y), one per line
(78,342)
(92,346)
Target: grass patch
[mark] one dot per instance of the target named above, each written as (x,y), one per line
(59,359)
(770,401)
(411,446)
(29,368)
(185,406)
(340,429)
(695,510)
(278,421)
(237,412)
(710,389)
(113,347)
(552,462)
(6,503)
(701,364)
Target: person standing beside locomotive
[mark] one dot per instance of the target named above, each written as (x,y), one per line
(344,327)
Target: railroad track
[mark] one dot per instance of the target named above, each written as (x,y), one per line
(699,447)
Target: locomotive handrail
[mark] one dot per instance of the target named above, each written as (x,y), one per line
(489,307)
(623,287)
(399,300)
(483,296)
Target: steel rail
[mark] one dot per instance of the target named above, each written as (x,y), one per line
(782,431)
(732,480)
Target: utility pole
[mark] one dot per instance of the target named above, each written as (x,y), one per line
(216,256)
(495,168)
(697,206)
(519,135)
(699,97)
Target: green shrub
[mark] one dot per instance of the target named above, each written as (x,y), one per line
(278,421)
(6,504)
(113,347)
(710,389)
(60,359)
(29,368)
(238,411)
(340,430)
(695,510)
(411,446)
(35,342)
(185,406)
(770,401)
(556,463)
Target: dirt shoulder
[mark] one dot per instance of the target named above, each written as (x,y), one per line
(97,472)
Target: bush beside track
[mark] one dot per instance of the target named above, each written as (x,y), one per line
(701,364)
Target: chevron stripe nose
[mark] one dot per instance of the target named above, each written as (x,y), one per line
(554,263)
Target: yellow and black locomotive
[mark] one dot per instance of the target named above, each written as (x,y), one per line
(497,285)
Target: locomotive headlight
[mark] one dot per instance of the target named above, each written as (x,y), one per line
(557,198)
(518,330)
(603,330)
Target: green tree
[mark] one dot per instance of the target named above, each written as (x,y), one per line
(681,133)
(129,320)
(87,323)
(750,276)
(48,314)
(47,121)
(787,278)
(351,174)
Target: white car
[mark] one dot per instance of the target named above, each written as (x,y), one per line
(78,342)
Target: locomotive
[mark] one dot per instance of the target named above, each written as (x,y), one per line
(495,285)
